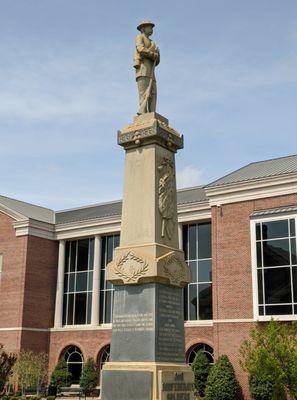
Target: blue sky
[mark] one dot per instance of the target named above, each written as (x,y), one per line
(227,80)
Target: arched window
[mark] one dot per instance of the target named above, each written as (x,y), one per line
(207,350)
(74,359)
(103,356)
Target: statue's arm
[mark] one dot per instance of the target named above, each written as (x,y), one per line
(158,57)
(144,51)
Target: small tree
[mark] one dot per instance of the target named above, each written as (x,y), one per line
(40,369)
(30,370)
(270,358)
(6,364)
(60,375)
(22,370)
(201,368)
(89,376)
(221,383)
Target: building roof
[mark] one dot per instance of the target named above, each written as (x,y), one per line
(101,210)
(257,170)
(114,208)
(29,210)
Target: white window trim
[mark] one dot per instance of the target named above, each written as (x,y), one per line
(253,223)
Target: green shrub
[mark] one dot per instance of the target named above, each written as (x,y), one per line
(221,382)
(89,376)
(270,358)
(18,398)
(51,398)
(61,377)
(263,387)
(33,397)
(201,368)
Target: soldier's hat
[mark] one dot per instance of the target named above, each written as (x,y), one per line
(145,23)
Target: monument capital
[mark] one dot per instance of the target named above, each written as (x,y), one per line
(150,128)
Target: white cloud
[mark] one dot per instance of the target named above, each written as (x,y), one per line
(37,86)
(215,77)
(189,176)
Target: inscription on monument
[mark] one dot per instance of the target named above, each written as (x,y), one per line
(170,334)
(177,386)
(133,330)
(138,322)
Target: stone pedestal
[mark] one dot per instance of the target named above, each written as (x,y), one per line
(148,272)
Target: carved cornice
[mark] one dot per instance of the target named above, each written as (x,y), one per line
(147,129)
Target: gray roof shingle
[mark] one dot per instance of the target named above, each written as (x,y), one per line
(103,210)
(275,211)
(258,170)
(29,210)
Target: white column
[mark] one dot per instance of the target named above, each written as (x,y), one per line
(96,281)
(60,285)
(180,235)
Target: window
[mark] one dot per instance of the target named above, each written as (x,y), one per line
(207,350)
(108,244)
(198,294)
(103,356)
(78,282)
(74,359)
(276,266)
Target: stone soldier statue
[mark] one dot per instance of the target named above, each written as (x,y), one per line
(146,57)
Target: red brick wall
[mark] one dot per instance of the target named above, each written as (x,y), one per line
(27,288)
(197,334)
(14,250)
(35,341)
(40,283)
(11,340)
(232,275)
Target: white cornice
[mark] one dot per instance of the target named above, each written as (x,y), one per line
(256,189)
(23,329)
(88,227)
(186,213)
(193,211)
(11,213)
(34,228)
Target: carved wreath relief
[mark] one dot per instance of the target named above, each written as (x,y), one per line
(175,270)
(167,195)
(130,267)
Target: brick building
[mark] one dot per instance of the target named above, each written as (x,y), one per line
(239,237)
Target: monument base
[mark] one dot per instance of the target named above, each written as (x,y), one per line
(146,381)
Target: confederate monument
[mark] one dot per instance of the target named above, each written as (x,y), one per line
(147,360)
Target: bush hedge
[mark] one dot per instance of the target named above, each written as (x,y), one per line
(201,368)
(221,383)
